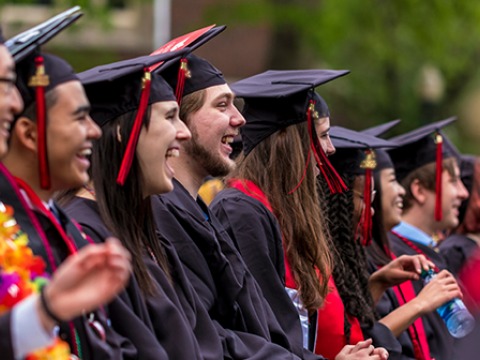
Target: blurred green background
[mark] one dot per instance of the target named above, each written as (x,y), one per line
(410,59)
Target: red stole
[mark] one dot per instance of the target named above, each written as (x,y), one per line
(330,325)
(404,293)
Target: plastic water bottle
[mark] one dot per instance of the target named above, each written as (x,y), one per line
(454,313)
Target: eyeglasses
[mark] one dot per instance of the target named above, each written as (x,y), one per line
(361,195)
(9,84)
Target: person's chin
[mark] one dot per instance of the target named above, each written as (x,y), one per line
(164,185)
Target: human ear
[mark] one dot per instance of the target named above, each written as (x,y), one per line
(25,133)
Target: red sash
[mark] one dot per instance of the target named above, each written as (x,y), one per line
(330,325)
(38,203)
(404,293)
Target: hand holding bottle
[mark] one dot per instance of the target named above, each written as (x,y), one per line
(456,316)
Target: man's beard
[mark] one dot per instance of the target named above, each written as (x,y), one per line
(213,164)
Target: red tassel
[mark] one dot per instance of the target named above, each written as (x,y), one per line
(334,181)
(369,164)
(438,178)
(39,81)
(367,216)
(183,73)
(137,126)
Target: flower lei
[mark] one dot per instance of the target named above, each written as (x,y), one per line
(22,274)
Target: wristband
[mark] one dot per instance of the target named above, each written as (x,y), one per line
(47,308)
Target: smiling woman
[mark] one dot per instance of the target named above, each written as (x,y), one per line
(142,133)
(161,137)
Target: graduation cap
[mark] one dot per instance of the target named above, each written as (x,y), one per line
(118,88)
(199,74)
(467,174)
(276,99)
(191,73)
(39,73)
(355,155)
(381,129)
(420,147)
(383,159)
(26,42)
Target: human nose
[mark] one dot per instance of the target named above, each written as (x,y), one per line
(330,147)
(462,190)
(94,131)
(236,119)
(183,132)
(401,190)
(17,101)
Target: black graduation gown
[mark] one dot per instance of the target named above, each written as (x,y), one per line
(439,339)
(234,301)
(256,233)
(387,303)
(456,249)
(158,326)
(6,346)
(91,345)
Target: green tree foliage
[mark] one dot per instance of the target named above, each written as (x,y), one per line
(384,43)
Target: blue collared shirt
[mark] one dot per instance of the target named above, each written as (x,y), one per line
(413,233)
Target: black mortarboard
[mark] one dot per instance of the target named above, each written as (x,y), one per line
(381,129)
(420,147)
(355,155)
(56,71)
(193,40)
(383,159)
(26,42)
(201,75)
(276,99)
(350,148)
(38,73)
(124,86)
(467,174)
(191,73)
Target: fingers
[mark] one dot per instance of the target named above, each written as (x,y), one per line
(449,284)
(422,263)
(347,349)
(416,263)
(361,345)
(381,353)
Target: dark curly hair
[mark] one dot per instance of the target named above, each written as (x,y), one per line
(350,270)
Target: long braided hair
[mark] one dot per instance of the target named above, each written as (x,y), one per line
(350,270)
